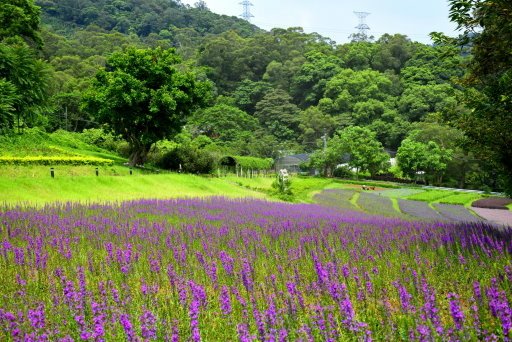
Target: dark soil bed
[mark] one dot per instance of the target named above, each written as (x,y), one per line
(492,203)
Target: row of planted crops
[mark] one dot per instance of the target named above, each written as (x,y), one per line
(248,270)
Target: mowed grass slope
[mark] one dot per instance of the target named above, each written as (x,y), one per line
(115,188)
(34,142)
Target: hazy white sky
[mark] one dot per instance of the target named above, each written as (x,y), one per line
(336,20)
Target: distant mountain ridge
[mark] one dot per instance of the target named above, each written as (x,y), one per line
(142,17)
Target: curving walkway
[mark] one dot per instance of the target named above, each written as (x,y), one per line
(497,216)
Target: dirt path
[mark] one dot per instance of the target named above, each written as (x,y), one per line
(499,216)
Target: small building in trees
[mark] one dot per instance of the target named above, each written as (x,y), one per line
(293,163)
(244,166)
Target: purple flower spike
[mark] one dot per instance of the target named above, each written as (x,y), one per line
(148,325)
(194,320)
(225,301)
(455,310)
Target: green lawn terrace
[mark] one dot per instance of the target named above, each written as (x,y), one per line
(218,269)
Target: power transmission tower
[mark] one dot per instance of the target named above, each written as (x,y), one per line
(247,10)
(363,28)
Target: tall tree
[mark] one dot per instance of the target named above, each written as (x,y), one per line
(144,96)
(414,156)
(357,146)
(20,18)
(20,66)
(278,115)
(487,26)
(8,98)
(309,83)
(222,123)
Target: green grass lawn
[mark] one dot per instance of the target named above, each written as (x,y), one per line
(39,171)
(116,188)
(256,183)
(461,198)
(303,188)
(430,195)
(399,193)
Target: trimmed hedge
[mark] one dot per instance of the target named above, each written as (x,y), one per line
(254,163)
(54,160)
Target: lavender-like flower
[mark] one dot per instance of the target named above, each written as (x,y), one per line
(227,262)
(98,321)
(148,325)
(243,333)
(225,300)
(247,275)
(405,298)
(37,318)
(455,310)
(194,320)
(124,319)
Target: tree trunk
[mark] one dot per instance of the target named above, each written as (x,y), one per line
(139,153)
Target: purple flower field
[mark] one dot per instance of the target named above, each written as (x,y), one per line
(248,270)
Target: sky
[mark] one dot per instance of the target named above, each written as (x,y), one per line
(336,20)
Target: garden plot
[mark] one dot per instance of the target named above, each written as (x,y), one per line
(457,213)
(376,205)
(418,209)
(398,193)
(336,198)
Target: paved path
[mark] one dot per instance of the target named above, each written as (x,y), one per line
(498,216)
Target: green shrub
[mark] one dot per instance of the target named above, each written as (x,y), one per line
(254,162)
(98,137)
(192,160)
(53,160)
(343,172)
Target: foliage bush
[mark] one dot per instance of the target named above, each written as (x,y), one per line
(343,172)
(191,160)
(101,138)
(254,163)
(54,160)
(389,177)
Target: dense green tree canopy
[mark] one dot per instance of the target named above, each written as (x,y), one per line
(24,76)
(356,146)
(278,114)
(142,16)
(222,122)
(487,26)
(429,158)
(20,18)
(144,97)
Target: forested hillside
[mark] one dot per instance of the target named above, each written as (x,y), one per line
(141,17)
(271,92)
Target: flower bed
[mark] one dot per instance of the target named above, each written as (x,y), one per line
(492,203)
(456,213)
(418,209)
(247,270)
